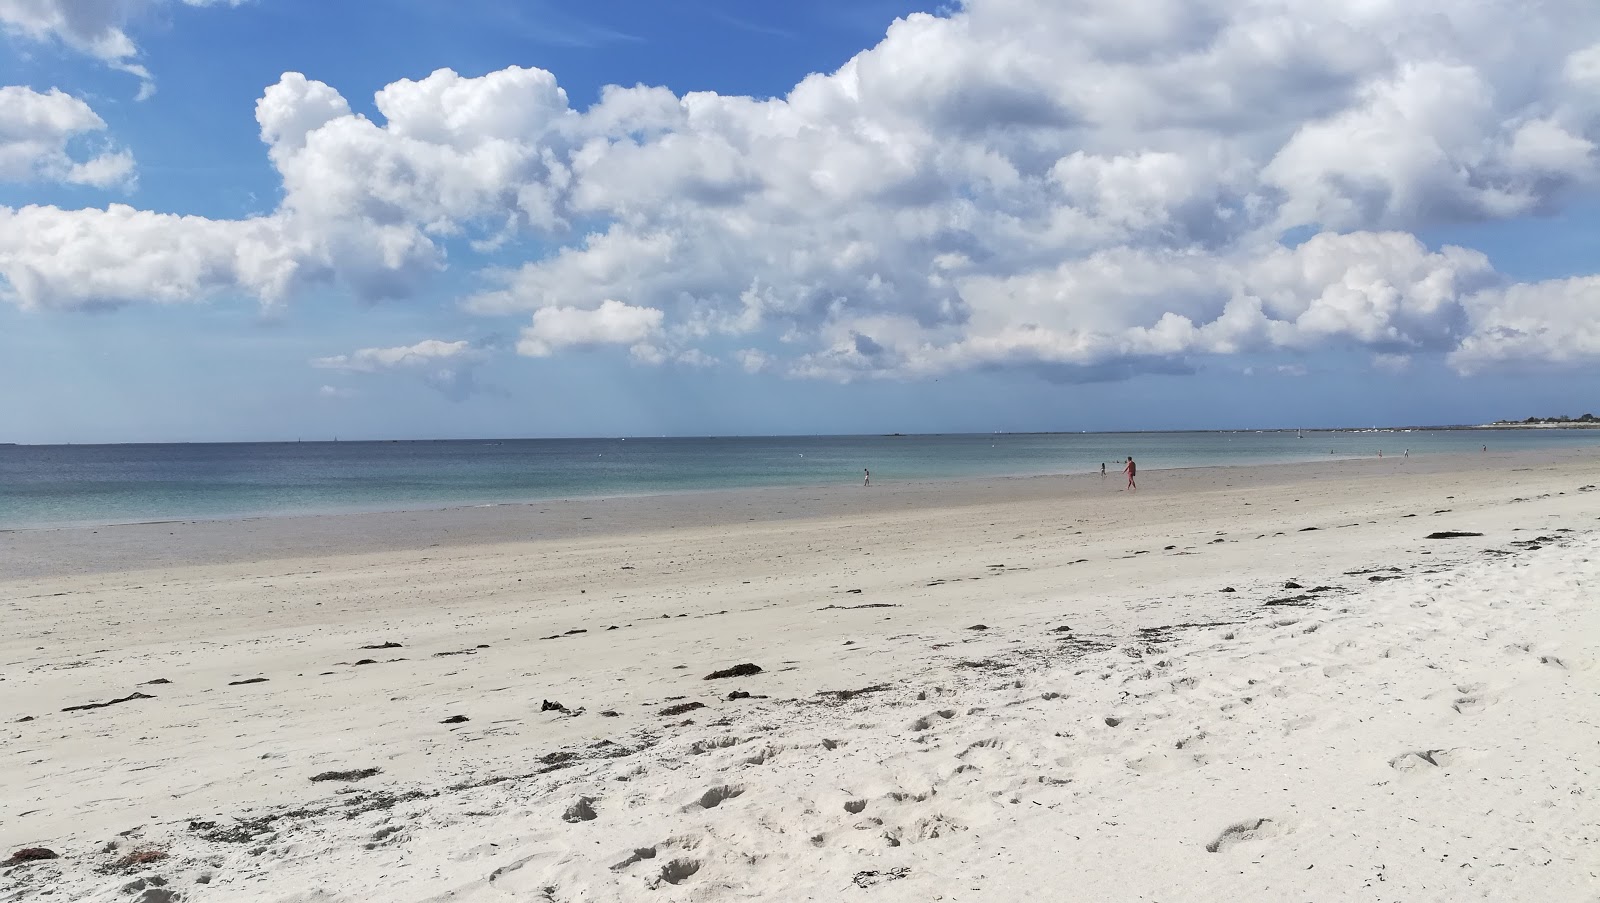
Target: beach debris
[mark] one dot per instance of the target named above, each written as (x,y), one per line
(253,680)
(100,705)
(384,646)
(140,857)
(456,719)
(1451,534)
(358,774)
(1227,589)
(32,854)
(365,661)
(744,670)
(1064,628)
(856,591)
(868,879)
(157,682)
(979,627)
(857,607)
(681,708)
(24,718)
(1306,529)
(608,713)
(550,706)
(847,695)
(1296,601)
(1290,584)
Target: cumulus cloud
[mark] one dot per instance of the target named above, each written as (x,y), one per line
(449,367)
(611,323)
(1081,188)
(94,27)
(1554,322)
(37,131)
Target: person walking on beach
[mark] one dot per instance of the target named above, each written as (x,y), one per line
(1102,468)
(868,477)
(1131,469)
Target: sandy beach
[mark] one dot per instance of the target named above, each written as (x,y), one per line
(1263,683)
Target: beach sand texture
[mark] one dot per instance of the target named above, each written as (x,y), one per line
(1234,684)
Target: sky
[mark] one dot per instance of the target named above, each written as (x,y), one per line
(274,219)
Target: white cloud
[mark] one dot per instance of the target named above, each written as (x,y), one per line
(1088,189)
(612,323)
(94,27)
(1555,322)
(36,134)
(450,367)
(426,353)
(336,392)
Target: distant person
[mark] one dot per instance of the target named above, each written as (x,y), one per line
(1407,454)
(1102,468)
(1131,469)
(867,477)
(1486,448)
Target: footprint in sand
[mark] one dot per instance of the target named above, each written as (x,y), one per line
(927,721)
(1423,759)
(582,810)
(1233,835)
(715,797)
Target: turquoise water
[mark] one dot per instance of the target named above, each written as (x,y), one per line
(87,484)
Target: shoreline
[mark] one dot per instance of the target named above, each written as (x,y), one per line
(106,548)
(1032,672)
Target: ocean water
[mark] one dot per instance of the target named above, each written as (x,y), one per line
(44,486)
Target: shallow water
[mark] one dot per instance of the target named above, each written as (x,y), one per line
(82,484)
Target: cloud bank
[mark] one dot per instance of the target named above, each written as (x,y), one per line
(1086,188)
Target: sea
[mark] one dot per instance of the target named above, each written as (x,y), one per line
(45,486)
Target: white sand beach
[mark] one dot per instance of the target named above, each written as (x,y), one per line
(1234,684)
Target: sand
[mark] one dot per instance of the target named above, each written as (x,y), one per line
(986,690)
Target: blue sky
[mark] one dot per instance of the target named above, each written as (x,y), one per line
(1008,214)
